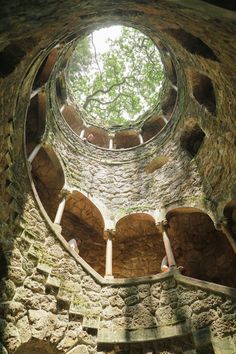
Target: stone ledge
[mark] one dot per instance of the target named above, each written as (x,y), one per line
(143,335)
(231,292)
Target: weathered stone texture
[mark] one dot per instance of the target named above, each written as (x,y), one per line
(48,295)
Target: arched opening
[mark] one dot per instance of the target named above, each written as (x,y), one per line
(170,70)
(13,53)
(73,118)
(203,251)
(152,126)
(36,120)
(138,247)
(226,4)
(126,139)
(83,221)
(192,44)
(61,90)
(192,138)
(46,68)
(100,136)
(230,214)
(169,103)
(38,346)
(48,177)
(203,90)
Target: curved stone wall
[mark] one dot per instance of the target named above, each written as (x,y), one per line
(51,299)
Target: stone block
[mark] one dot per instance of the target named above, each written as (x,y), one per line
(131,300)
(44,268)
(53,282)
(90,322)
(79,349)
(17,275)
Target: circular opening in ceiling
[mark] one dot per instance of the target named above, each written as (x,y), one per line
(116,76)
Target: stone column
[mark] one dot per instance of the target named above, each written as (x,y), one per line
(111,141)
(222,225)
(174,87)
(108,270)
(61,207)
(165,119)
(34,152)
(140,138)
(82,134)
(167,245)
(35,92)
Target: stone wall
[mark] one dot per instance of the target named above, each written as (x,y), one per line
(51,301)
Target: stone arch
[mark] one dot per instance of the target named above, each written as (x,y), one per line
(168,104)
(152,126)
(35,120)
(192,44)
(38,346)
(82,220)
(192,137)
(203,251)
(49,178)
(48,65)
(13,53)
(45,68)
(61,89)
(100,136)
(137,248)
(73,118)
(125,139)
(202,90)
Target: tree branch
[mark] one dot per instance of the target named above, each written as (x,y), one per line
(90,97)
(95,55)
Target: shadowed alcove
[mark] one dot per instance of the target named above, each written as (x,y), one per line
(73,118)
(226,4)
(36,120)
(192,44)
(192,137)
(152,126)
(13,53)
(202,90)
(203,251)
(38,346)
(45,68)
(169,102)
(48,177)
(138,247)
(83,221)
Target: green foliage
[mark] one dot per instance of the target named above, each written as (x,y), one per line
(120,84)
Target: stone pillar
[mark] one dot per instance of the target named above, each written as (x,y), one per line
(222,225)
(82,134)
(61,207)
(165,119)
(140,138)
(108,270)
(111,142)
(35,92)
(34,152)
(174,87)
(167,245)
